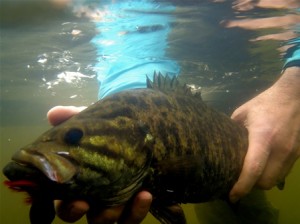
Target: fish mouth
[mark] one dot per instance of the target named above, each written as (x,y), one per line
(54,166)
(24,178)
(28,179)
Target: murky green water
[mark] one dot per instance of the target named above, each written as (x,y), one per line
(45,63)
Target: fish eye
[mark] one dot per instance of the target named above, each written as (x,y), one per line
(73,136)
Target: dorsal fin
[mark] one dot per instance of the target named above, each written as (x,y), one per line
(167,84)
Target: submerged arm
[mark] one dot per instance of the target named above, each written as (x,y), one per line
(273,121)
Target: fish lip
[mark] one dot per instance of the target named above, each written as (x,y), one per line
(56,167)
(23,177)
(16,171)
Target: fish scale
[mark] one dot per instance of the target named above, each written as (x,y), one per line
(163,139)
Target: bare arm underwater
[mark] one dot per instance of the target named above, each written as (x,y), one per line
(273,121)
(273,117)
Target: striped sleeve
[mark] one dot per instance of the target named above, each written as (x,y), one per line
(292,56)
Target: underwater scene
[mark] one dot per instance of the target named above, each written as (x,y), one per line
(73,53)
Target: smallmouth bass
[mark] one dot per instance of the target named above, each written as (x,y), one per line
(163,139)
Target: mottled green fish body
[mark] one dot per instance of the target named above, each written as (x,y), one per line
(163,139)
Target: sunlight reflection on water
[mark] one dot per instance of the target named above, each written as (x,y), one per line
(52,63)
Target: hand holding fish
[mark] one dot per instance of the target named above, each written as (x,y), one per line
(135,213)
(93,167)
(73,211)
(273,122)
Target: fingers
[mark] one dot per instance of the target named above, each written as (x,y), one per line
(254,165)
(263,170)
(70,211)
(267,162)
(139,209)
(107,216)
(280,162)
(58,114)
(133,213)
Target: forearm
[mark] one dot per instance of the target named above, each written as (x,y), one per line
(20,12)
(289,83)
(273,120)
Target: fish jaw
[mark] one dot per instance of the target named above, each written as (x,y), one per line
(40,190)
(24,178)
(52,164)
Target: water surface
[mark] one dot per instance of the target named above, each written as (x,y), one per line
(48,60)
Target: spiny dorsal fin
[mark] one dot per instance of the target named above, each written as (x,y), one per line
(163,83)
(167,84)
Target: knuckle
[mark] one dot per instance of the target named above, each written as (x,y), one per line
(266,183)
(256,169)
(265,186)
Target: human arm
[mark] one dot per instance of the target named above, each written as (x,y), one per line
(273,122)
(30,12)
(134,212)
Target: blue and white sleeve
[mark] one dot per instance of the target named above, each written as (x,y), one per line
(131,44)
(292,56)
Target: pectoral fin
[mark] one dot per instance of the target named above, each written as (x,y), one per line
(168,214)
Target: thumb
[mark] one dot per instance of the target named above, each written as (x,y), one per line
(240,114)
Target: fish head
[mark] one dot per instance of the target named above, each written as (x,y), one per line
(89,152)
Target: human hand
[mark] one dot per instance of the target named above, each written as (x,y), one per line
(132,213)
(273,122)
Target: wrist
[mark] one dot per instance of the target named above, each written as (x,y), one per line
(289,83)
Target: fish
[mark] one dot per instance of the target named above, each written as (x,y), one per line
(163,139)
